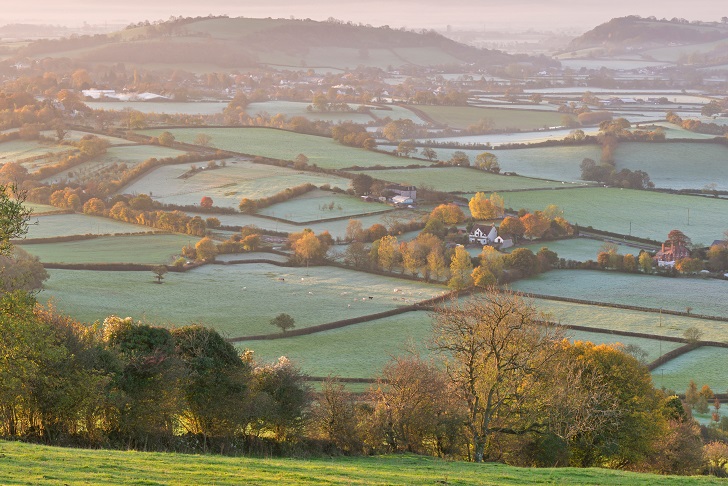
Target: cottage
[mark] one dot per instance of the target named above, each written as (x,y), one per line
(502,243)
(483,234)
(668,255)
(402,200)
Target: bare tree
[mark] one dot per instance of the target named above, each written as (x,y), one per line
(496,349)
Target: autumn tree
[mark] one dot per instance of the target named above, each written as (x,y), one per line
(535,224)
(307,247)
(159,272)
(494,350)
(206,249)
(13,216)
(206,202)
(447,213)
(284,322)
(513,227)
(388,253)
(203,140)
(487,162)
(646,262)
(459,159)
(461,269)
(481,207)
(429,154)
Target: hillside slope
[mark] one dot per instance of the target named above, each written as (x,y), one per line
(242,42)
(42,465)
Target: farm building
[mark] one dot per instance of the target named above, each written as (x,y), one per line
(483,234)
(668,255)
(405,191)
(502,243)
(402,200)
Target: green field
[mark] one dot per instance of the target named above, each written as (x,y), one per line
(161,107)
(677,165)
(632,289)
(705,365)
(464,116)
(39,209)
(579,249)
(43,465)
(79,224)
(336,228)
(130,155)
(358,351)
(237,300)
(652,214)
(20,150)
(396,113)
(298,108)
(280,144)
(458,179)
(255,255)
(75,136)
(609,318)
(145,249)
(227,185)
(316,205)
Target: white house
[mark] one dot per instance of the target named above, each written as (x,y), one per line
(482,234)
(400,200)
(502,243)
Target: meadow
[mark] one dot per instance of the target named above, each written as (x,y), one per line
(43,465)
(579,249)
(465,116)
(299,108)
(19,150)
(76,135)
(321,205)
(705,365)
(226,185)
(161,107)
(358,351)
(280,144)
(54,225)
(143,249)
(632,289)
(39,209)
(458,179)
(650,214)
(237,300)
(496,139)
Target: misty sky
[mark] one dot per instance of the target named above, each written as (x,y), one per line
(581,15)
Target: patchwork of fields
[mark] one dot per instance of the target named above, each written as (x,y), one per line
(279,144)
(55,225)
(465,116)
(321,205)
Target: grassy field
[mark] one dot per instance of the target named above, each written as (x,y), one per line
(579,249)
(44,465)
(42,208)
(316,205)
(458,179)
(652,215)
(145,249)
(358,351)
(396,113)
(705,365)
(255,255)
(336,228)
(609,318)
(237,300)
(279,144)
(160,107)
(464,116)
(75,136)
(496,139)
(632,289)
(18,150)
(79,224)
(227,185)
(677,165)
(298,108)
(129,155)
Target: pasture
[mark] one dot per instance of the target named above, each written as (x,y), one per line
(651,214)
(143,249)
(579,249)
(226,185)
(54,225)
(22,150)
(496,139)
(632,289)
(237,300)
(513,120)
(39,209)
(161,107)
(43,465)
(358,351)
(337,228)
(298,108)
(458,179)
(321,205)
(280,144)
(75,136)
(705,365)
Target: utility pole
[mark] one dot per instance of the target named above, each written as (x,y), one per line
(688,216)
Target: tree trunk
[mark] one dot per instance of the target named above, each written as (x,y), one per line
(479,450)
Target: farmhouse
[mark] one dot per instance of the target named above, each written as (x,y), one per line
(406,191)
(668,255)
(483,234)
(402,200)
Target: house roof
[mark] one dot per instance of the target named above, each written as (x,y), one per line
(484,228)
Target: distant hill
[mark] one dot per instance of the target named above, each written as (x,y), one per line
(243,42)
(670,41)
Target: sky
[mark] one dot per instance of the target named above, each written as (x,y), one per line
(492,15)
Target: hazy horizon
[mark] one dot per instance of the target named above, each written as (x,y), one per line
(412,14)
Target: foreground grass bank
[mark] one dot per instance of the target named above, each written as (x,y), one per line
(33,464)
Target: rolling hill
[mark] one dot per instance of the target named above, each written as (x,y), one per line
(231,43)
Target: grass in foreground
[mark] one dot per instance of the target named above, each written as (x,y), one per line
(41,465)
